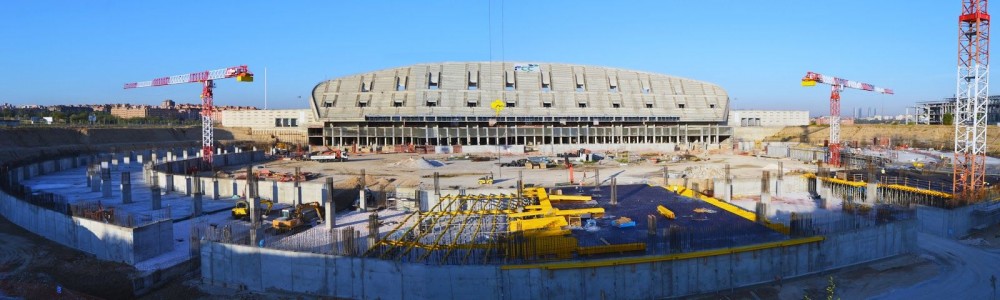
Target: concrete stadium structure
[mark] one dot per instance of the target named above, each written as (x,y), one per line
(546,104)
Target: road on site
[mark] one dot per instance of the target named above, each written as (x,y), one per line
(965,272)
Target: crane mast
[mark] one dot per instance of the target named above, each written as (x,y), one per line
(837,85)
(971,100)
(207,79)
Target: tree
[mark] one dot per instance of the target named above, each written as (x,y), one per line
(948,119)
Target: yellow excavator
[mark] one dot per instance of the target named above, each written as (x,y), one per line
(303,214)
(242,209)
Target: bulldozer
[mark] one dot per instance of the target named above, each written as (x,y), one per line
(303,214)
(485,180)
(242,209)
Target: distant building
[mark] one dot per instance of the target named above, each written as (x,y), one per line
(143,111)
(826,121)
(543,105)
(932,112)
(287,125)
(768,118)
(168,104)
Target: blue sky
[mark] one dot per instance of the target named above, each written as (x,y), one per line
(54,52)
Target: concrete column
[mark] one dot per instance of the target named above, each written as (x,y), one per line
(614,190)
(298,194)
(170,156)
(761,212)
(765,187)
(114,162)
(169,185)
(254,211)
(105,183)
(781,178)
(153,158)
(330,207)
(274,191)
(871,193)
(597,179)
(437,185)
(155,197)
(197,205)
(362,203)
(727,190)
(126,186)
(215,189)
(372,230)
(184,154)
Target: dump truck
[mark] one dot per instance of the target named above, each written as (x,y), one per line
(242,209)
(336,156)
(297,218)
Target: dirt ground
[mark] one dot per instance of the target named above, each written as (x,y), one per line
(32,267)
(416,170)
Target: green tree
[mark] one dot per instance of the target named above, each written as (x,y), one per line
(948,119)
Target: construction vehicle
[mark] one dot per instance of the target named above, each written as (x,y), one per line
(242,209)
(335,155)
(515,163)
(486,179)
(303,214)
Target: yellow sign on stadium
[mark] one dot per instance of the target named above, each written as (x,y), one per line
(498,105)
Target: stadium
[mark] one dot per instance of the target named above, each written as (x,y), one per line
(448,104)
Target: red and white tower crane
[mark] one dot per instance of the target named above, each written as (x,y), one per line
(836,86)
(971,97)
(241,73)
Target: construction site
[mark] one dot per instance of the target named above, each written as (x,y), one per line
(510,180)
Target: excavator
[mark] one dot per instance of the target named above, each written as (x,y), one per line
(296,219)
(242,209)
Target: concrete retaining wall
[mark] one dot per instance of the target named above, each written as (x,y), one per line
(751,186)
(106,241)
(957,222)
(261,269)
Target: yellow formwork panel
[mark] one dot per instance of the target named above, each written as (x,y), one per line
(665,212)
(917,190)
(547,232)
(728,207)
(595,211)
(539,223)
(570,198)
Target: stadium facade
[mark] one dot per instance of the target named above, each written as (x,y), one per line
(449,104)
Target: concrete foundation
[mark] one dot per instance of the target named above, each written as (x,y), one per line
(262,269)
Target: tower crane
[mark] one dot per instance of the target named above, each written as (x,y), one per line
(837,85)
(971,100)
(206,78)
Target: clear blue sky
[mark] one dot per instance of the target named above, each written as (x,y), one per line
(54,52)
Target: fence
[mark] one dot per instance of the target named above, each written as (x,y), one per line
(98,212)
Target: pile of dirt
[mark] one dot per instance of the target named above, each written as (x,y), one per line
(371,182)
(418,163)
(704,172)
